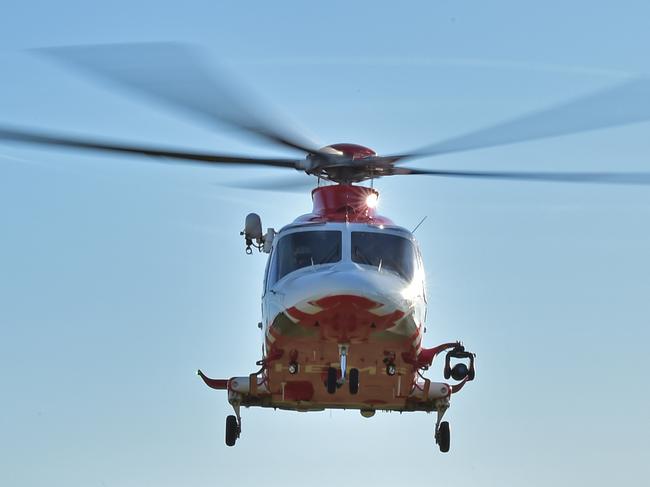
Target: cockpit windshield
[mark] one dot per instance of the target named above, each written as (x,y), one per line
(302,249)
(384,251)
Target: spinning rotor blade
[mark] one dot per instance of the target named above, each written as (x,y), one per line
(39,138)
(177,75)
(642,178)
(285,185)
(623,104)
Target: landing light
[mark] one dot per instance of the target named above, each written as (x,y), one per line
(371,200)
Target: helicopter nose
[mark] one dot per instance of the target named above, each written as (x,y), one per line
(348,303)
(346,280)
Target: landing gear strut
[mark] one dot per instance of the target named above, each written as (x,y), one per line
(343,354)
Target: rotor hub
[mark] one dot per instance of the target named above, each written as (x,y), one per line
(351,151)
(344,163)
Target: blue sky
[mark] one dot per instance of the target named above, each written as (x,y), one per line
(119,277)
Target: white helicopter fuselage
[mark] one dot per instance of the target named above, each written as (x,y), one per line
(343,281)
(343,313)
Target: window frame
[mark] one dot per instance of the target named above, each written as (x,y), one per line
(273,256)
(345,230)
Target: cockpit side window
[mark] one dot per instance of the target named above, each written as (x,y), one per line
(385,251)
(267,268)
(301,249)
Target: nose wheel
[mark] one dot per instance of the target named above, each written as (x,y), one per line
(334,382)
(353,381)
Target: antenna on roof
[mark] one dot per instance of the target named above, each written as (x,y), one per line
(418,225)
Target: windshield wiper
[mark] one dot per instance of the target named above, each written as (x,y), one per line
(360,257)
(328,258)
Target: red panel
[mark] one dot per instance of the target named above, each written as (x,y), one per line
(298,390)
(344,203)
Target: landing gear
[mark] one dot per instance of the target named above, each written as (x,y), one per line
(232,430)
(443,433)
(443,436)
(332,379)
(354,381)
(233,422)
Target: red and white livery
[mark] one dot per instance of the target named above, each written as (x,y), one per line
(344,308)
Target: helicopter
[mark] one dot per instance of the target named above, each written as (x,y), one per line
(344,290)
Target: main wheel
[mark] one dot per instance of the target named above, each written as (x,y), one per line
(332,377)
(232,430)
(443,437)
(354,381)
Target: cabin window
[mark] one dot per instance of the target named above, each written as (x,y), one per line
(301,249)
(385,251)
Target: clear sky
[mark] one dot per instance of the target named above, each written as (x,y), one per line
(120,277)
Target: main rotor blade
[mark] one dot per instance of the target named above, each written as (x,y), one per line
(178,76)
(641,178)
(623,104)
(40,138)
(287,185)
